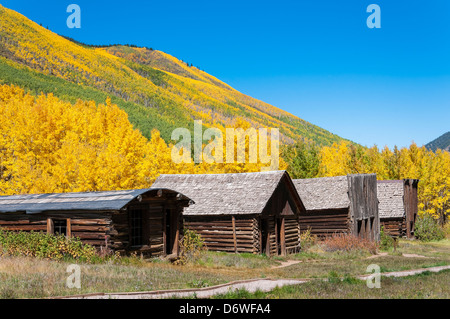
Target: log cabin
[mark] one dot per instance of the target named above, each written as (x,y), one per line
(340,205)
(146,221)
(398,206)
(243,212)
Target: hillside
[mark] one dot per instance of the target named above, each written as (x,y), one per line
(154,88)
(442,142)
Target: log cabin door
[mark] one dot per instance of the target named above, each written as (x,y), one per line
(171,231)
(265,237)
(281,238)
(273,236)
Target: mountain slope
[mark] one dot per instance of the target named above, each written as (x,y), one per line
(154,88)
(442,142)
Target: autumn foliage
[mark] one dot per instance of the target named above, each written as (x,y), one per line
(51,146)
(431,168)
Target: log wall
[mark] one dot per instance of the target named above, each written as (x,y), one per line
(103,229)
(395,227)
(94,229)
(324,223)
(292,234)
(226,233)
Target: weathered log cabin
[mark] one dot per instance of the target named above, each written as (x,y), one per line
(146,221)
(340,205)
(246,212)
(398,206)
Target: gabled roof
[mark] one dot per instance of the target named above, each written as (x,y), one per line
(323,193)
(92,201)
(390,199)
(227,194)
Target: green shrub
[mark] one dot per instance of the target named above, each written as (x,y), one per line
(41,245)
(386,241)
(447,229)
(307,240)
(428,229)
(191,247)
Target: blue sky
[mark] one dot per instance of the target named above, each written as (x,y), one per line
(316,59)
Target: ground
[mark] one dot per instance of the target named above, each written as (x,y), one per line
(22,277)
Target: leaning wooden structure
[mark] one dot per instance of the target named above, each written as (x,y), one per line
(146,221)
(398,206)
(340,205)
(248,212)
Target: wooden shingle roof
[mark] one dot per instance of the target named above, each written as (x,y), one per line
(390,199)
(323,193)
(226,194)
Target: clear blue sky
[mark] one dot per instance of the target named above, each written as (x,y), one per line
(314,58)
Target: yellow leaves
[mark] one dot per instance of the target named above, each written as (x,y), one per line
(433,170)
(334,160)
(52,146)
(47,145)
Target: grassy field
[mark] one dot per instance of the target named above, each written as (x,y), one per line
(424,286)
(22,277)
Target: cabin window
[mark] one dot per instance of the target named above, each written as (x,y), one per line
(59,227)
(136,227)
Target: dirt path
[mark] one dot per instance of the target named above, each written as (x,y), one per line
(251,285)
(403,255)
(287,263)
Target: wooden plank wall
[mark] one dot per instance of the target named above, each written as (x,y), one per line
(111,229)
(219,234)
(292,234)
(410,201)
(272,235)
(93,229)
(153,222)
(364,205)
(395,227)
(324,223)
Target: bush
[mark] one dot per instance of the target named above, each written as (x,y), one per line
(41,245)
(447,229)
(428,229)
(386,241)
(191,247)
(349,243)
(307,240)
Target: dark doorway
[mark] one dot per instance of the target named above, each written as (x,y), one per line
(278,230)
(265,246)
(168,232)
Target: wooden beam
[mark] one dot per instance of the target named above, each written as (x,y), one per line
(165,230)
(233,222)
(177,234)
(50,226)
(282,238)
(69,228)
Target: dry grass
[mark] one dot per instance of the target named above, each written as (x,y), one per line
(349,243)
(424,286)
(22,277)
